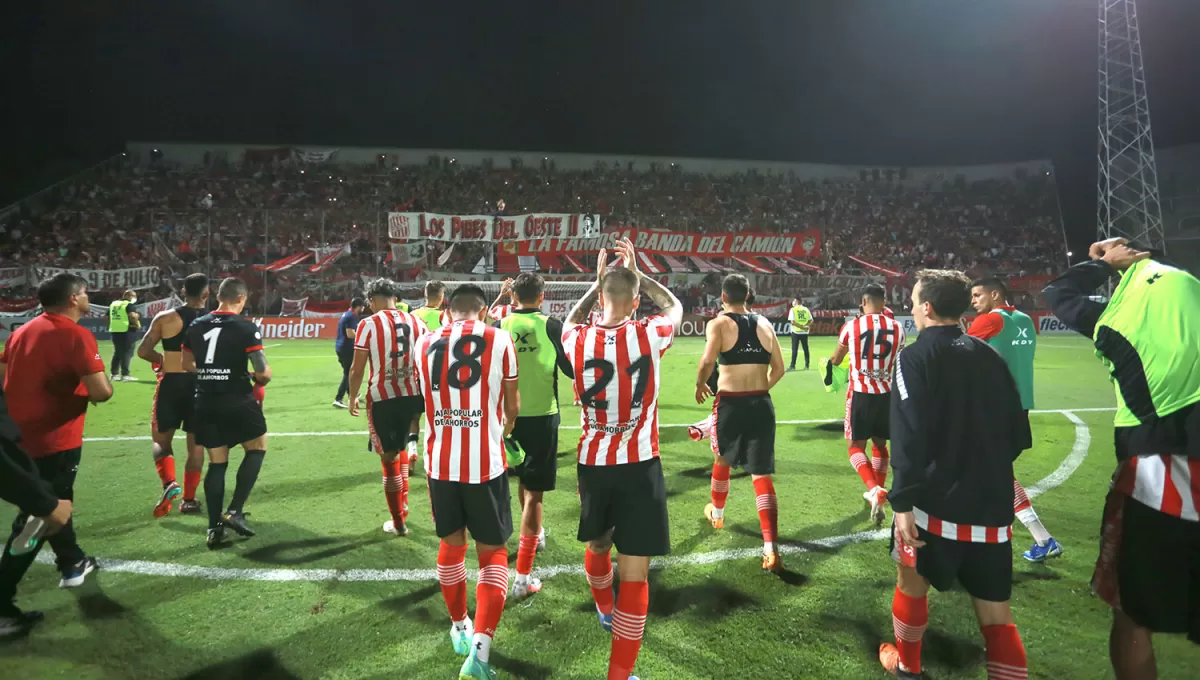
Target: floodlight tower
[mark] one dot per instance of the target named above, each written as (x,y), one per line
(1127,182)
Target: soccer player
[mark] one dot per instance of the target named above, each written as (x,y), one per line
(122,325)
(540,356)
(173,397)
(394,403)
(1012,333)
(431,314)
(51,369)
(801,322)
(1148,337)
(957,425)
(752,363)
(343,345)
(469,377)
(228,407)
(872,341)
(622,493)
(504,304)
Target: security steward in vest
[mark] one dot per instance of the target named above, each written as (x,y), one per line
(123,324)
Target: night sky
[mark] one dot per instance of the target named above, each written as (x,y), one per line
(888,82)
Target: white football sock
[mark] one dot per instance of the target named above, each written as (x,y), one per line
(1030,519)
(483,645)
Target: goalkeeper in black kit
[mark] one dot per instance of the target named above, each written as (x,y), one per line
(956,426)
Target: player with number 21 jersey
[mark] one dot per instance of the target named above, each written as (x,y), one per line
(617,378)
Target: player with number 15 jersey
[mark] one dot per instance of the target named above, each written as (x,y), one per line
(872,342)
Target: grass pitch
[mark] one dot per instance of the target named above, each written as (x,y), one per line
(321,592)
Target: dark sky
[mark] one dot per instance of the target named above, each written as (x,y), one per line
(898,82)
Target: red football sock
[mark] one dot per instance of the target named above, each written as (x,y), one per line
(191,482)
(768,510)
(491,590)
(600,577)
(1020,498)
(452,575)
(1005,653)
(403,460)
(629,623)
(165,465)
(858,458)
(393,490)
(720,485)
(526,551)
(910,615)
(879,464)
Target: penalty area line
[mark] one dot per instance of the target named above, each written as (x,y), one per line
(363,433)
(1079,452)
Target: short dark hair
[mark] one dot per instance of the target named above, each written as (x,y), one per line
(357,302)
(195,285)
(380,288)
(435,288)
(619,283)
(875,292)
(56,291)
(231,289)
(749,298)
(946,290)
(736,288)
(991,283)
(528,286)
(466,299)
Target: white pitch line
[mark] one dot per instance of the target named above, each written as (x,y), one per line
(363,433)
(1061,474)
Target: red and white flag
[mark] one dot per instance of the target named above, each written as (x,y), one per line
(324,262)
(284,263)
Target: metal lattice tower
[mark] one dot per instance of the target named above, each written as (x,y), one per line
(1127,184)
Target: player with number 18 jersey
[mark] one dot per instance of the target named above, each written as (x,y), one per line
(469,377)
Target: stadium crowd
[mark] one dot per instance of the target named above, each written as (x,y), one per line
(225,216)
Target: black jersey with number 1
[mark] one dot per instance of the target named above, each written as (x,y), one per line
(220,343)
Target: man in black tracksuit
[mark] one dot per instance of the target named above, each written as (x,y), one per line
(21,485)
(957,426)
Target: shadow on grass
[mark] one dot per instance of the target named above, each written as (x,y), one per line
(305,551)
(263,664)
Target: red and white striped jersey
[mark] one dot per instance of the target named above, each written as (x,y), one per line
(595,317)
(388,337)
(463,368)
(873,340)
(1169,484)
(968,533)
(499,312)
(617,379)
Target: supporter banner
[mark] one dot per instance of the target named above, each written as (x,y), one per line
(12,276)
(493,228)
(20,306)
(313,155)
(107,279)
(408,254)
(793,244)
(156,307)
(292,307)
(292,328)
